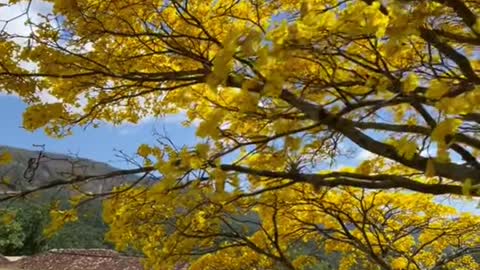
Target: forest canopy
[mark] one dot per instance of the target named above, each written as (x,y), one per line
(277,92)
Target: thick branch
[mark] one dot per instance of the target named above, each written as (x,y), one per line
(461,60)
(335,179)
(449,170)
(462,10)
(75,180)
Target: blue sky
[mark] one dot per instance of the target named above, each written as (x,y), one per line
(94,143)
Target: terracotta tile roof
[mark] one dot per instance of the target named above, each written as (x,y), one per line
(3,260)
(77,259)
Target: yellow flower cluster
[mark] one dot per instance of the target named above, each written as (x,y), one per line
(39,115)
(58,219)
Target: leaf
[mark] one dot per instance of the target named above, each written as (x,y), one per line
(6,180)
(202,150)
(476,27)
(304,8)
(399,263)
(277,93)
(410,83)
(445,128)
(406,148)
(6,158)
(437,89)
(219,177)
(144,150)
(8,217)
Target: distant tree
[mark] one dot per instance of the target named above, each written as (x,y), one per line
(11,232)
(32,220)
(87,232)
(22,232)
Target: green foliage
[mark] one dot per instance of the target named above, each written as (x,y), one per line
(88,232)
(82,234)
(23,235)
(31,220)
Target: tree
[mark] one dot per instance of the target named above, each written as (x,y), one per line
(276,90)
(87,232)
(371,230)
(22,224)
(31,219)
(12,235)
(288,83)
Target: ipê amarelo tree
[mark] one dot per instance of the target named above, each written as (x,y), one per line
(276,90)
(284,81)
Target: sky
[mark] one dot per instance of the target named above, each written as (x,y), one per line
(99,144)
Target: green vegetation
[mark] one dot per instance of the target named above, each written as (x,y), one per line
(23,234)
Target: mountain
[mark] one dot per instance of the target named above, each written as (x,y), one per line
(29,170)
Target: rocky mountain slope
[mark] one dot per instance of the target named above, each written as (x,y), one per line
(29,170)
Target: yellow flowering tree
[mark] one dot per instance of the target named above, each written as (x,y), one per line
(296,227)
(289,82)
(277,92)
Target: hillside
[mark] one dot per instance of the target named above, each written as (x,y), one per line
(32,214)
(54,166)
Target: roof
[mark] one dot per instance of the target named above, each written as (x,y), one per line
(77,259)
(3,259)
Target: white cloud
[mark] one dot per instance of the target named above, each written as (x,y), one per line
(130,128)
(86,48)
(14,17)
(13,21)
(47,98)
(173,119)
(365,155)
(361,156)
